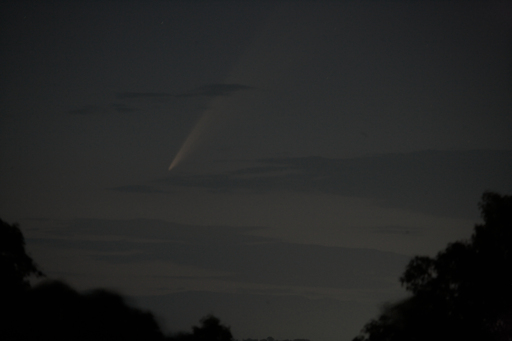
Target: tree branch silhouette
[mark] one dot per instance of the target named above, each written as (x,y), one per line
(55,311)
(463,293)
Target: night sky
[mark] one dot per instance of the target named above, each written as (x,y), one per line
(316,146)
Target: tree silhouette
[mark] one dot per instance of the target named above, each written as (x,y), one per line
(53,310)
(210,330)
(15,265)
(464,293)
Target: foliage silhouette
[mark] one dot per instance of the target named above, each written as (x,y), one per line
(464,293)
(53,310)
(15,265)
(210,330)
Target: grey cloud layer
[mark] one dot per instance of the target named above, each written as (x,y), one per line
(120,108)
(210,90)
(440,182)
(149,95)
(137,189)
(215,90)
(246,258)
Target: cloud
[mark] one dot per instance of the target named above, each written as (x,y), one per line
(123,108)
(85,110)
(184,271)
(394,230)
(209,90)
(447,183)
(233,251)
(137,189)
(212,90)
(143,95)
(103,109)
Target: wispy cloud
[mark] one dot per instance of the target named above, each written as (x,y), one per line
(209,90)
(232,251)
(212,90)
(123,108)
(85,110)
(137,189)
(441,182)
(400,230)
(88,110)
(149,95)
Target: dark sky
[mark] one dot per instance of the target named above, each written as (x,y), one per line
(315,147)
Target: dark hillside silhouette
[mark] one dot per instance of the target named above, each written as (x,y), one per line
(464,293)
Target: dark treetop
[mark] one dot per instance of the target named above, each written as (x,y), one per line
(464,293)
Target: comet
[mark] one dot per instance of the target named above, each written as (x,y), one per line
(227,103)
(193,139)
